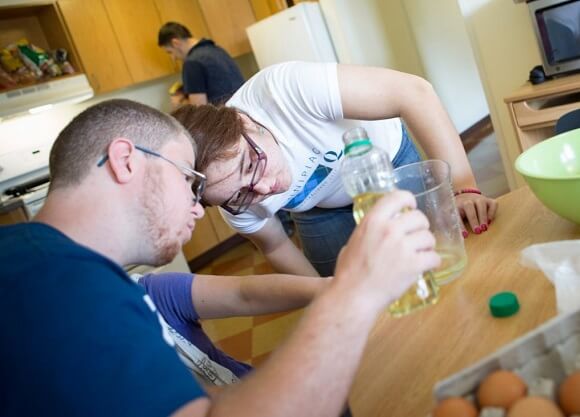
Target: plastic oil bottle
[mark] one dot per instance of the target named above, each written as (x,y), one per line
(367,175)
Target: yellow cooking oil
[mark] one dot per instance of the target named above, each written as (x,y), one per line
(452,264)
(421,294)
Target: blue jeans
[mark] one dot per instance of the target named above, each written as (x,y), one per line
(323,232)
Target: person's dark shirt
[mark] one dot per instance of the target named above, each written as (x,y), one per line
(209,69)
(78,336)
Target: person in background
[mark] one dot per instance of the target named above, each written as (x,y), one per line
(209,74)
(81,338)
(277,144)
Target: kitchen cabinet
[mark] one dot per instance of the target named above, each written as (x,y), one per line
(222,230)
(186,12)
(12,214)
(227,21)
(210,231)
(136,24)
(96,44)
(41,25)
(534,109)
(265,8)
(116,41)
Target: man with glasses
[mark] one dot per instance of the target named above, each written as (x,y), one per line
(80,338)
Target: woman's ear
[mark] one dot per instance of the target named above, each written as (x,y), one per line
(249,124)
(121,153)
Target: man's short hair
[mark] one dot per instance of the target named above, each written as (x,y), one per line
(84,141)
(172,30)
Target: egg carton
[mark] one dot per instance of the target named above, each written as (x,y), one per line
(542,357)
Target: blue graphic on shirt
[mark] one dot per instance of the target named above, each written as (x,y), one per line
(319,174)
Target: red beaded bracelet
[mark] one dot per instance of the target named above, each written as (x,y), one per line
(467,191)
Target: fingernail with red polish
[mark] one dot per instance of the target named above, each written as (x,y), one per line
(477,230)
(488,222)
(465,234)
(483,227)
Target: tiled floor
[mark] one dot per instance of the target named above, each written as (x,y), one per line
(251,339)
(248,339)
(487,166)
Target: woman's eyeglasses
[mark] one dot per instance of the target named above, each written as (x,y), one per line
(242,199)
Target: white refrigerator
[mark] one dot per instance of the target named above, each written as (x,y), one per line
(345,31)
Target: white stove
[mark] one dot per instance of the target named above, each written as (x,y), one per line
(24,176)
(23,166)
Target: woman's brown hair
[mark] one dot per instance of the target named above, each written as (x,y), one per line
(216,131)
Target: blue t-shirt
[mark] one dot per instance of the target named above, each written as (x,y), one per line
(78,336)
(171,293)
(209,69)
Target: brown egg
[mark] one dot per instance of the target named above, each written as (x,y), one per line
(500,389)
(569,394)
(534,407)
(455,407)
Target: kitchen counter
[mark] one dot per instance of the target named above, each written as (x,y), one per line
(405,357)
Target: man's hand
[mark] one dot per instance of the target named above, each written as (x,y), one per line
(388,250)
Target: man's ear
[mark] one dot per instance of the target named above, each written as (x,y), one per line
(121,153)
(175,43)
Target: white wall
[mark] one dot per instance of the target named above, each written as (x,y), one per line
(505,50)
(404,55)
(445,52)
(371,32)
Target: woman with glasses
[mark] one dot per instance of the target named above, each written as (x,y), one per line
(277,145)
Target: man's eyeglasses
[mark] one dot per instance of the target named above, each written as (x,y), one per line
(242,199)
(195,179)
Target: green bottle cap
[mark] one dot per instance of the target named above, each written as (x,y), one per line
(504,304)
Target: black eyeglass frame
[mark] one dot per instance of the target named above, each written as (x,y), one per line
(198,180)
(248,193)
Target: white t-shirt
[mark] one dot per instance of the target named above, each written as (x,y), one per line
(300,104)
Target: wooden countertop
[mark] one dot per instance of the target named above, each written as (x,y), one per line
(405,357)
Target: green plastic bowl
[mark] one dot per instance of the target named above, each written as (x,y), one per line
(552,170)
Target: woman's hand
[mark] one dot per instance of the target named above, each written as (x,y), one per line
(475,210)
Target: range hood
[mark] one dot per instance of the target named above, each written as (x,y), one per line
(37,97)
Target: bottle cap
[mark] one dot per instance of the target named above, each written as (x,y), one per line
(356,138)
(504,304)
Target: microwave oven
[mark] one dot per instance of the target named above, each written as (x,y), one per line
(557,27)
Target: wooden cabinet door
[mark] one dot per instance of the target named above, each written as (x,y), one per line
(203,238)
(227,21)
(210,230)
(96,44)
(186,12)
(18,215)
(222,229)
(265,8)
(136,24)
